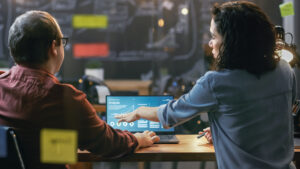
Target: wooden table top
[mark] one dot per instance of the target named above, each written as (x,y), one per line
(189,149)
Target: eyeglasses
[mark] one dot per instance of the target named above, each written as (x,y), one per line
(64,41)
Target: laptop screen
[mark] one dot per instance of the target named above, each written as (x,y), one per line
(125,104)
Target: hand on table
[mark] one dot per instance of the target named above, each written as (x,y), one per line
(146,139)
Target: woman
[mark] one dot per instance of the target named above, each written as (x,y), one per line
(248,98)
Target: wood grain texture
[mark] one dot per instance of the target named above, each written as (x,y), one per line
(189,149)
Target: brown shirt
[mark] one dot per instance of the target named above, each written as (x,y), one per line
(34,99)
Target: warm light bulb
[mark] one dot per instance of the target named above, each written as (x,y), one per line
(285,55)
(184,11)
(161,23)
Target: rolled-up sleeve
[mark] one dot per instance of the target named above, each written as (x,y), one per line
(199,99)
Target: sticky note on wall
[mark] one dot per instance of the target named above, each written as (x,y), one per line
(91,50)
(286,9)
(90,21)
(3,143)
(58,146)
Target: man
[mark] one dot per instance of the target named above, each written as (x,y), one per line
(31,97)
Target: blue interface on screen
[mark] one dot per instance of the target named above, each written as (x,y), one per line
(125,104)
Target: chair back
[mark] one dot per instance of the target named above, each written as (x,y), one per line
(10,154)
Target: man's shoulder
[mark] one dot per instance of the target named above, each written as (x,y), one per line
(68,88)
(67,93)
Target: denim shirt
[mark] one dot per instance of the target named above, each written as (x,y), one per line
(250,117)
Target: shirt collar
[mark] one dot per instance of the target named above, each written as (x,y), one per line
(30,71)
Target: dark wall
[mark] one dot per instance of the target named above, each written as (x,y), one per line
(271,8)
(74,68)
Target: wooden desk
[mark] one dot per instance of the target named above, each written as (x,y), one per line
(189,149)
(129,85)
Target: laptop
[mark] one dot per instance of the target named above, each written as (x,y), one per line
(125,104)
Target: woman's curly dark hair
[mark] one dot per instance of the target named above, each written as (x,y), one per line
(248,38)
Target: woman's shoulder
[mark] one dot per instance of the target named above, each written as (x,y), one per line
(211,76)
(284,69)
(225,73)
(226,77)
(282,64)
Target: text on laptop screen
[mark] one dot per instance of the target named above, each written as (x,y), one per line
(125,104)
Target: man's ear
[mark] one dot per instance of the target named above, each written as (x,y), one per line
(52,50)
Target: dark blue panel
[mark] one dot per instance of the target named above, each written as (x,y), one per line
(3,142)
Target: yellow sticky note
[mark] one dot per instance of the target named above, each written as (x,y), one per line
(58,146)
(90,21)
(286,9)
